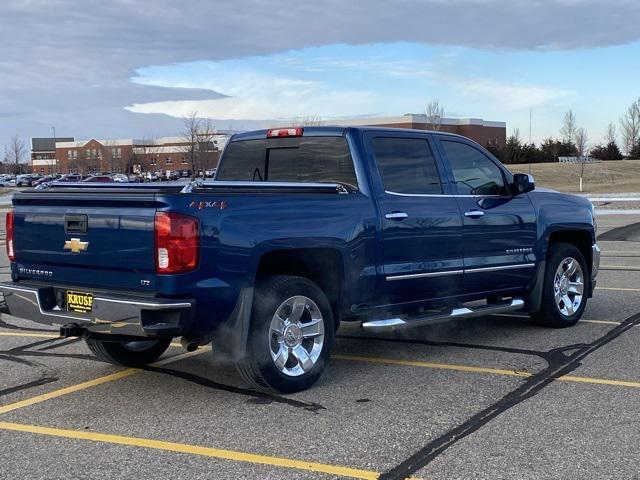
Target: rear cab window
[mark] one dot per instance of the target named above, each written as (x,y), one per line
(295,159)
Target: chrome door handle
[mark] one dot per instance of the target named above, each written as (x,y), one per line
(474,213)
(396,216)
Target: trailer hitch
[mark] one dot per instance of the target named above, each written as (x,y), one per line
(72,330)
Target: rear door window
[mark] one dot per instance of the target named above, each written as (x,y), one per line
(299,159)
(406,165)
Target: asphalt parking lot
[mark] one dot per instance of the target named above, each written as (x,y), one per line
(496,397)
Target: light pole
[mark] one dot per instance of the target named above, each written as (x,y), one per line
(55,156)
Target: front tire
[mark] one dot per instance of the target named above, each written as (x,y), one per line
(290,335)
(131,354)
(566,281)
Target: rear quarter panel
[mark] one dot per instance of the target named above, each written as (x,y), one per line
(238,229)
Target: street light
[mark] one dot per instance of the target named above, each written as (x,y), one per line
(55,157)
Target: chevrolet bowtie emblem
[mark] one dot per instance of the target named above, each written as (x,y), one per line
(75,245)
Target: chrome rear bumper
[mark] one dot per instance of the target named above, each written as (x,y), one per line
(111,313)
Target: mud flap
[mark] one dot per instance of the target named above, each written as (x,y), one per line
(229,343)
(533,299)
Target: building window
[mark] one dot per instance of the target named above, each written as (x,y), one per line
(184,161)
(168,161)
(69,153)
(153,162)
(42,170)
(88,152)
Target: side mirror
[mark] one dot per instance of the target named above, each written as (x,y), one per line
(522,183)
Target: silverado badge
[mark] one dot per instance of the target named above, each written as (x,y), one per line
(75,245)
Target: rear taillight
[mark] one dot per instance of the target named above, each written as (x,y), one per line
(9,228)
(284,132)
(177,242)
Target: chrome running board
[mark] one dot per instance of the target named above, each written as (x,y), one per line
(402,322)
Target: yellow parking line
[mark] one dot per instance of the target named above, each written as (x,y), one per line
(29,334)
(22,333)
(495,371)
(438,366)
(619,289)
(600,381)
(233,455)
(604,322)
(67,390)
(95,382)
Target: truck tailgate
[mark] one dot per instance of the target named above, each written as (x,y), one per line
(99,241)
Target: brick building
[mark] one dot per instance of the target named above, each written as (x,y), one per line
(482,131)
(86,157)
(43,154)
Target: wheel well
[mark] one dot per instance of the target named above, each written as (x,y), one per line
(321,265)
(579,238)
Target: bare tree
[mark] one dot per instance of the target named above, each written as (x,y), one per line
(568,128)
(107,157)
(582,144)
(197,134)
(630,127)
(611,133)
(144,154)
(434,113)
(206,147)
(16,154)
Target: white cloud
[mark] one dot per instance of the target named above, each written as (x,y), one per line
(259,96)
(508,96)
(303,83)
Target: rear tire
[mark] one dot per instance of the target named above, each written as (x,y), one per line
(131,354)
(290,335)
(566,283)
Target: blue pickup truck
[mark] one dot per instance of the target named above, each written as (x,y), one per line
(302,228)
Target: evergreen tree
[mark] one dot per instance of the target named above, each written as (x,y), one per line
(610,151)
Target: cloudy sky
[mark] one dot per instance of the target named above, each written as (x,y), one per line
(125,68)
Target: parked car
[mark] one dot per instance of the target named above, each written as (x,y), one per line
(7,180)
(25,180)
(70,178)
(120,178)
(46,179)
(302,229)
(99,179)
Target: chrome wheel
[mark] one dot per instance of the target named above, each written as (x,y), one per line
(296,336)
(568,286)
